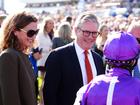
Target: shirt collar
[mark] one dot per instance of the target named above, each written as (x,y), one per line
(79,50)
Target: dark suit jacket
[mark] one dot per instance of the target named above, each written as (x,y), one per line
(63,75)
(17,80)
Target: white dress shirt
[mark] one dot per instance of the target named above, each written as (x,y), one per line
(81,58)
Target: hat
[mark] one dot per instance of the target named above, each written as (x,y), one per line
(121,46)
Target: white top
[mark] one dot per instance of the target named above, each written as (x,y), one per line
(81,58)
(44,42)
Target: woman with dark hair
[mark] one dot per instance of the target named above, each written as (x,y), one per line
(17,80)
(117,87)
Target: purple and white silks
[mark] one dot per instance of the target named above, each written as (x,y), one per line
(118,85)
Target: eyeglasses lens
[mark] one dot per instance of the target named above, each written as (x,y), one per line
(87,33)
(31,33)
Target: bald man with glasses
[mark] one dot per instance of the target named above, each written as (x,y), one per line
(67,67)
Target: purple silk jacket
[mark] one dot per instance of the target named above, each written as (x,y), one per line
(105,90)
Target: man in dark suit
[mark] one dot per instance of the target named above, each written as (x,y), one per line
(65,67)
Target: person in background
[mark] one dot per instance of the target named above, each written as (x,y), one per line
(100,40)
(64,35)
(68,19)
(117,87)
(44,42)
(134,29)
(2,17)
(35,55)
(65,66)
(17,79)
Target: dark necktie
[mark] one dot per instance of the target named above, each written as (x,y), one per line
(88,67)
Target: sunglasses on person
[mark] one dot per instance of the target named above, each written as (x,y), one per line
(87,33)
(30,33)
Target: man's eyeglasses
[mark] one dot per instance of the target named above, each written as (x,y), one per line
(30,33)
(88,33)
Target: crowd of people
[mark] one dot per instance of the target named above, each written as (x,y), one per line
(80,60)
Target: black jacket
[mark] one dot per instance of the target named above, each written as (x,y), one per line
(63,75)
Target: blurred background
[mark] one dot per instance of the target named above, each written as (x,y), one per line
(117,15)
(71,7)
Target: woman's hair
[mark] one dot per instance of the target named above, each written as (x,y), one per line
(102,27)
(13,23)
(101,38)
(43,26)
(65,31)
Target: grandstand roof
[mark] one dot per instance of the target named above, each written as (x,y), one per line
(36,1)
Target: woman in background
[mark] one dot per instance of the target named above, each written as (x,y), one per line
(44,41)
(35,55)
(100,40)
(64,35)
(17,79)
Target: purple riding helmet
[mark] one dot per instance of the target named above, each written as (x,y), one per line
(121,50)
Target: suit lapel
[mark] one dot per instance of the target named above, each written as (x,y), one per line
(75,62)
(96,61)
